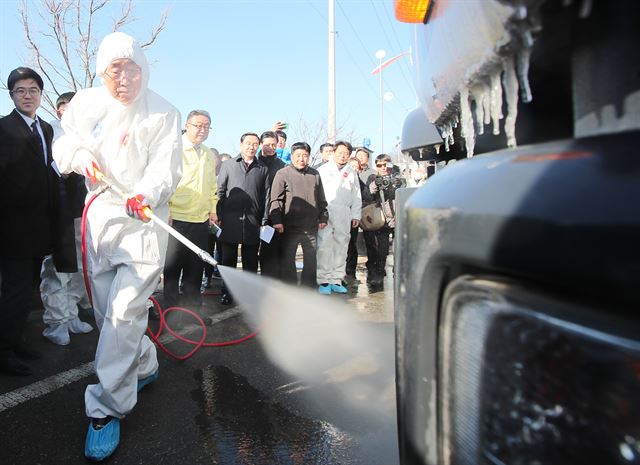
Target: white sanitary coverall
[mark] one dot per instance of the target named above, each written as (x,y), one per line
(139,148)
(62,293)
(342,191)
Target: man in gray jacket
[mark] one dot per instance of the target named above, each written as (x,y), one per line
(298,209)
(243,196)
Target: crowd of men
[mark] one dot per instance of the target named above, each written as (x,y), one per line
(264,203)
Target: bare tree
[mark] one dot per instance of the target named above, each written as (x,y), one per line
(61,37)
(315,133)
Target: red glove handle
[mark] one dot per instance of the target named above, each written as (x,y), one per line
(136,208)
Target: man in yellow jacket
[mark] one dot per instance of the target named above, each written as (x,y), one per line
(192,209)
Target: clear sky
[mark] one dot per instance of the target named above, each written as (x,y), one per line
(251,63)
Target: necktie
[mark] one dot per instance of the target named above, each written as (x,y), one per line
(36,135)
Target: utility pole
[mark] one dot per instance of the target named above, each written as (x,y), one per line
(380,54)
(331,113)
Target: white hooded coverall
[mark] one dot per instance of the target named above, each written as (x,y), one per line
(138,147)
(342,191)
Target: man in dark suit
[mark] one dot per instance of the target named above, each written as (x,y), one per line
(243,195)
(28,202)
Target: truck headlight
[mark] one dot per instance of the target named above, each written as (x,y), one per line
(529,379)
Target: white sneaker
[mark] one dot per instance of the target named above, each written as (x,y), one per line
(58,334)
(77,326)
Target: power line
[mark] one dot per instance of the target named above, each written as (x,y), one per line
(365,76)
(368,54)
(401,47)
(324,18)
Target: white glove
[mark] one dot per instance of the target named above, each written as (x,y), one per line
(85,163)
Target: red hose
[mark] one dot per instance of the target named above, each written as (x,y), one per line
(155,337)
(163,324)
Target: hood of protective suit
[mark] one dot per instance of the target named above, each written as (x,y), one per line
(137,145)
(118,45)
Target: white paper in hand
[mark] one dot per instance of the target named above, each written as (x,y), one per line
(215,229)
(266,233)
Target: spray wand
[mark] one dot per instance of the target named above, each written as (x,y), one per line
(202,254)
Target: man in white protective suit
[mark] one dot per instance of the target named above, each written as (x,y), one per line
(132,135)
(342,191)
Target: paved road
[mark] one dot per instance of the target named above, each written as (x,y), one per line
(229,405)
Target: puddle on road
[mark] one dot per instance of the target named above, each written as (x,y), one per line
(246,427)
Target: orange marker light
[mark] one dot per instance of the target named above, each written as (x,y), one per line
(412,11)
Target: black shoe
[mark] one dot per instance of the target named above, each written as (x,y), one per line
(226,299)
(99,423)
(12,366)
(349,279)
(375,279)
(26,353)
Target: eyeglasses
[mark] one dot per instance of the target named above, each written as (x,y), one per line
(384,165)
(132,72)
(200,127)
(21,91)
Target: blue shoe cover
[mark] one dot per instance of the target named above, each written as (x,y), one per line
(101,443)
(338,289)
(324,290)
(148,380)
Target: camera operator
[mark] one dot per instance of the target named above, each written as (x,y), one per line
(383,187)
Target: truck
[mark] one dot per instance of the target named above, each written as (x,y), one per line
(518,262)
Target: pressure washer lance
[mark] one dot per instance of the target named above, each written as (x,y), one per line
(202,254)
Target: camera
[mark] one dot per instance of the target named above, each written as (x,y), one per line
(384,182)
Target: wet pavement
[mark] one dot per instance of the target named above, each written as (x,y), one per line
(224,405)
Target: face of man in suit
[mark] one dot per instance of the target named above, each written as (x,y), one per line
(249,147)
(26,96)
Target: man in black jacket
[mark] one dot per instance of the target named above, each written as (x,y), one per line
(383,186)
(243,194)
(28,201)
(270,252)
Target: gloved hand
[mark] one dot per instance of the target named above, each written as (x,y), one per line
(135,207)
(84,163)
(91,172)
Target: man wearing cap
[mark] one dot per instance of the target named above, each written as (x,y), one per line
(29,203)
(132,135)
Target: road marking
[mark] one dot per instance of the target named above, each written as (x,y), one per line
(52,383)
(45,386)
